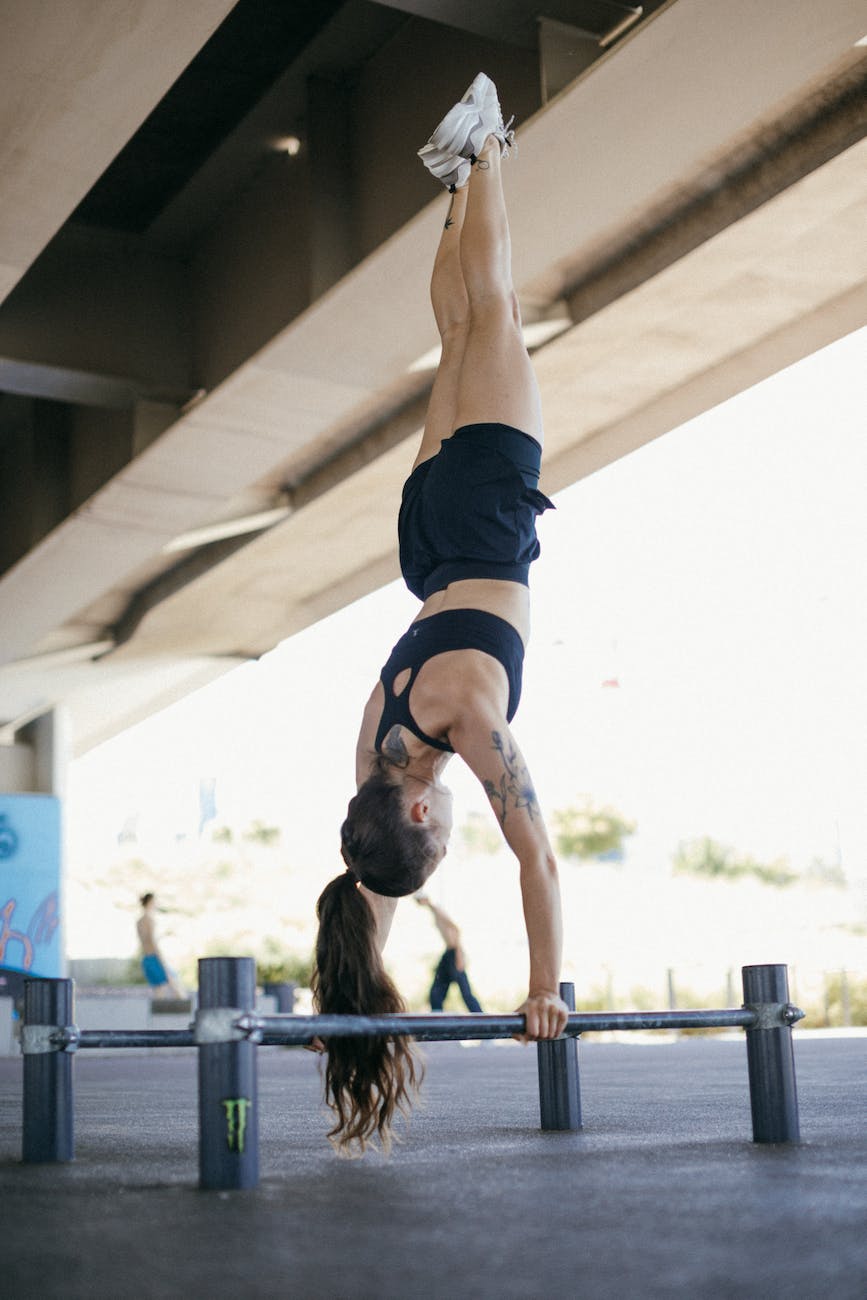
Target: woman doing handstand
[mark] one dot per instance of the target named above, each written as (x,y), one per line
(467,536)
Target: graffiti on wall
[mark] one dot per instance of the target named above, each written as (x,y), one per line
(29,884)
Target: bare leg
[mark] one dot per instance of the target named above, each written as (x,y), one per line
(497,381)
(451,309)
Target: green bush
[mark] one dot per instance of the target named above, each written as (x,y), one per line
(830,1012)
(705,857)
(281,966)
(589,832)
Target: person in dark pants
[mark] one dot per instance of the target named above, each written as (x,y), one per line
(451,968)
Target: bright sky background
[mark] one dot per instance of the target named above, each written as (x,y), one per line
(717,575)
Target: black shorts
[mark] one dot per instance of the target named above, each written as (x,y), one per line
(470,511)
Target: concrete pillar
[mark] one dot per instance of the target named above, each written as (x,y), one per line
(17,768)
(34,758)
(49,737)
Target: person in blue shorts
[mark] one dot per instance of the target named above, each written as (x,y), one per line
(158,975)
(452,683)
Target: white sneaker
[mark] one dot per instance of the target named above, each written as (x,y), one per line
(452,170)
(465,128)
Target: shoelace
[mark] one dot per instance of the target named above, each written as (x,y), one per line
(509,143)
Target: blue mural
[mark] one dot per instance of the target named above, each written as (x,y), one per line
(30,884)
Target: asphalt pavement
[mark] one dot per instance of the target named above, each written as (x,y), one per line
(663,1193)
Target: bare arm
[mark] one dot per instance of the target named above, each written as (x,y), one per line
(451,935)
(487,745)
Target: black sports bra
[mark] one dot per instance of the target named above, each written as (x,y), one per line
(453,629)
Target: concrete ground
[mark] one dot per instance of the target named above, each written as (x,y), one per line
(663,1194)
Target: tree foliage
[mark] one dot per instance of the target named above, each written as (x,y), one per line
(581,832)
(586,831)
(260,833)
(479,835)
(275,963)
(706,857)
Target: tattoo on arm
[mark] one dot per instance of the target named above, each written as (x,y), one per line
(514,790)
(393,748)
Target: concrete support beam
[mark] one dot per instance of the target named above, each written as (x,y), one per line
(102,319)
(105,319)
(821,126)
(734,373)
(108,64)
(705,79)
(250,275)
(332,228)
(55,456)
(34,463)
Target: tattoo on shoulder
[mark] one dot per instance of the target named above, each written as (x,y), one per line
(393,748)
(514,790)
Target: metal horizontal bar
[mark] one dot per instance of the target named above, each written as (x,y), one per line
(301,1029)
(287,1029)
(137,1038)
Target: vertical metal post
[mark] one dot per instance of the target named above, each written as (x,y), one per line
(845,1002)
(228,1101)
(284,993)
(559,1081)
(770,1058)
(48,1135)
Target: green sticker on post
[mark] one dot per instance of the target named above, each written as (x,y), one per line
(237,1109)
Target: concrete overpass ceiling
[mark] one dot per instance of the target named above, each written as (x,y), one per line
(215,241)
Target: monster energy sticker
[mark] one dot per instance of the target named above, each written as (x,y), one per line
(237,1109)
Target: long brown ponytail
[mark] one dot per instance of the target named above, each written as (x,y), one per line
(366,1079)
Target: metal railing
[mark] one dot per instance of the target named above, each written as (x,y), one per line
(227,1033)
